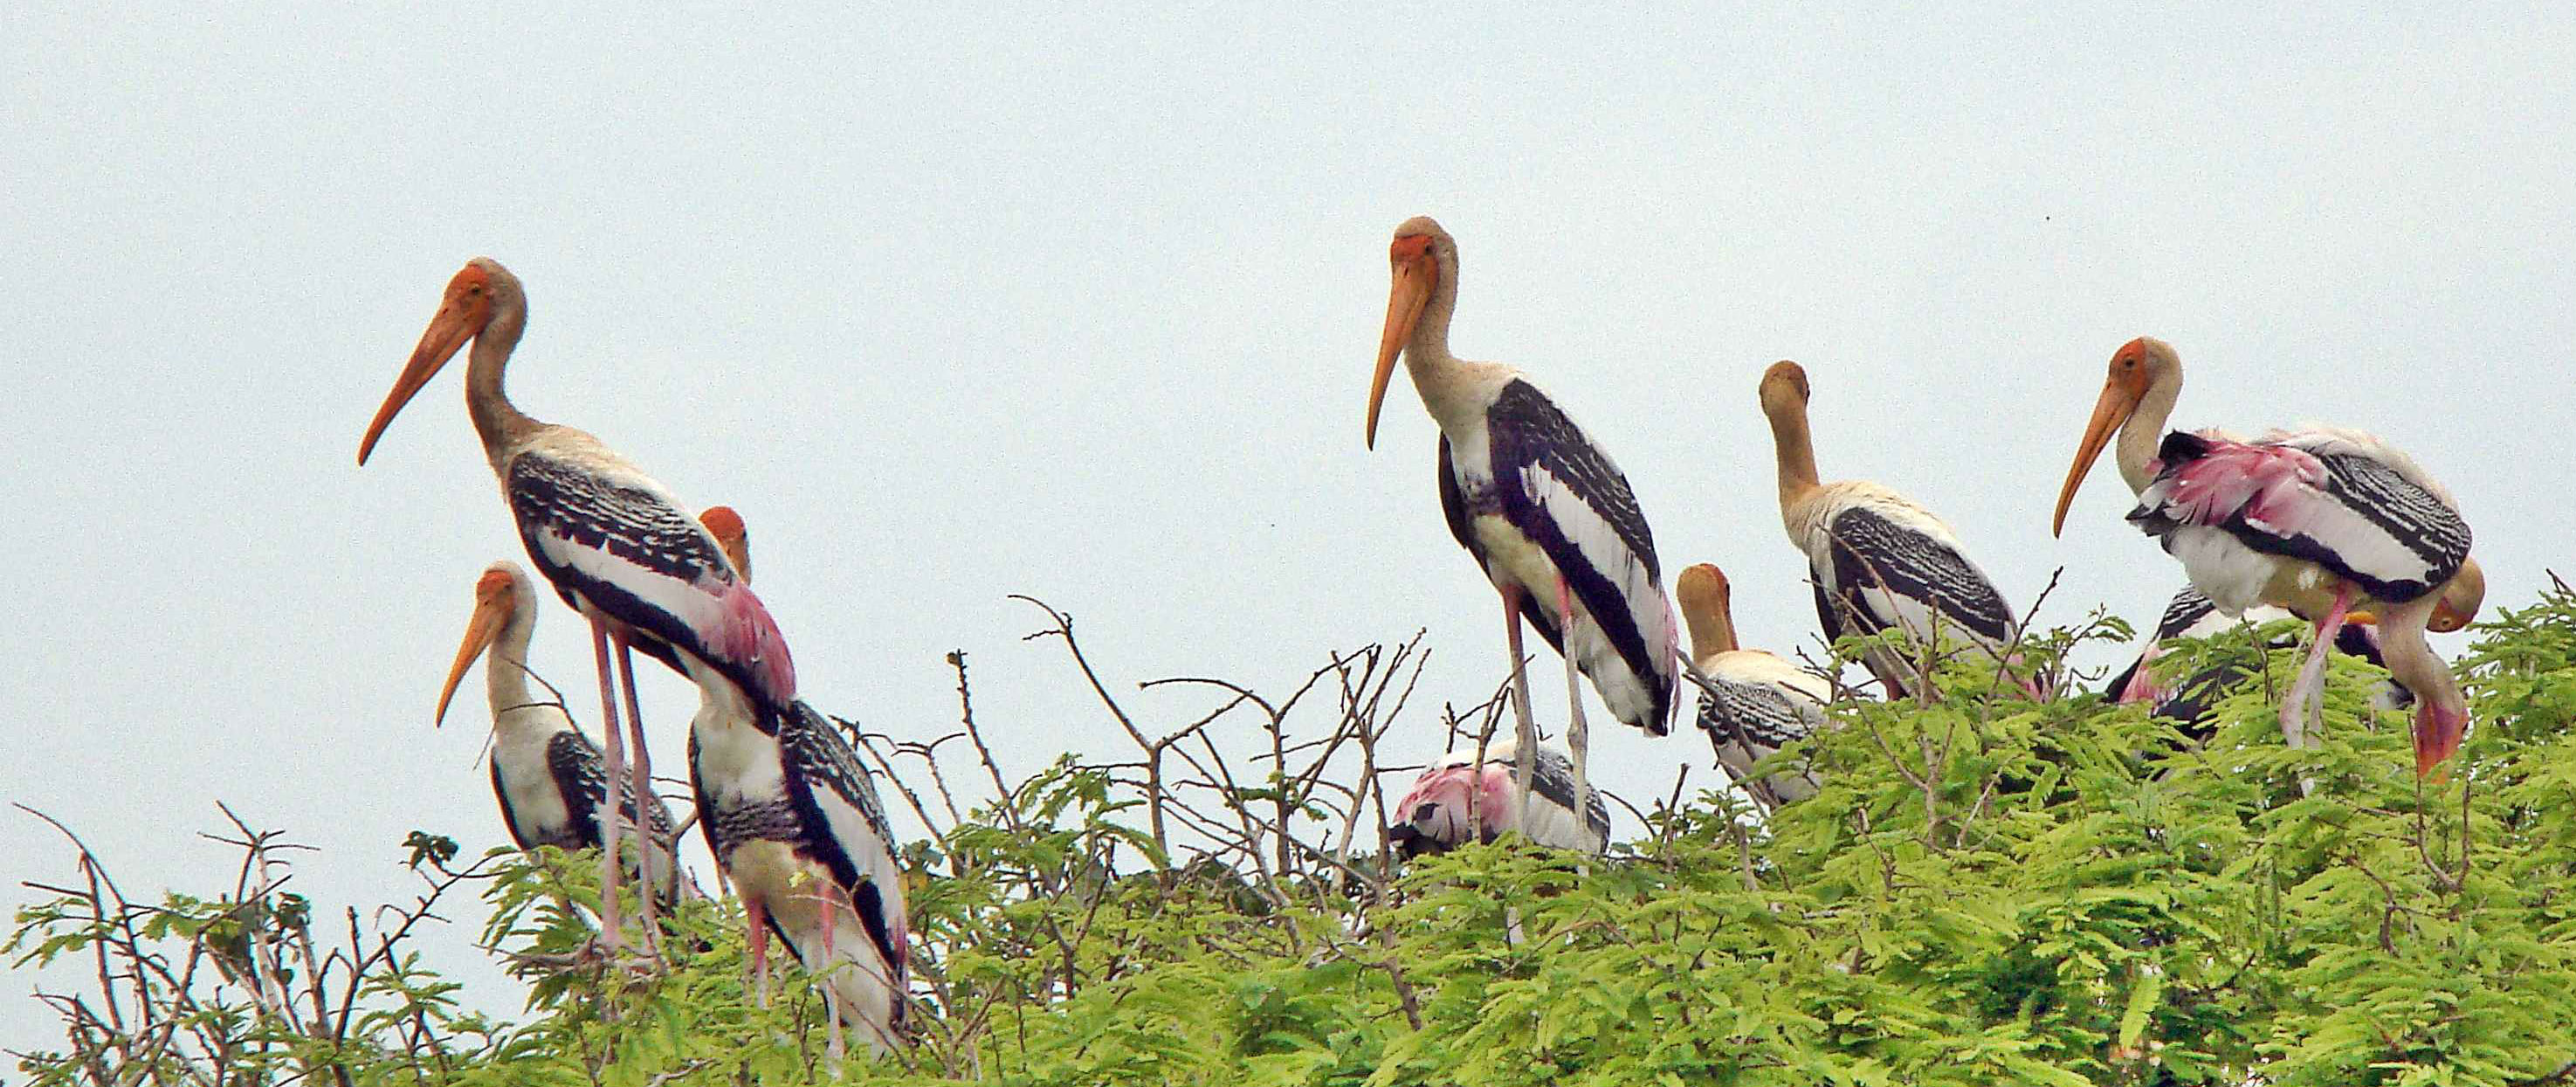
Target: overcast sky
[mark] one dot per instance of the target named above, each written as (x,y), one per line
(954,303)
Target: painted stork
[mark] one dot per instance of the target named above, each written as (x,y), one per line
(615,543)
(2187,702)
(545,771)
(2322,521)
(1878,561)
(1540,506)
(793,818)
(1435,816)
(1751,703)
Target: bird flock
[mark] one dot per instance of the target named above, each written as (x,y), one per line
(2327,524)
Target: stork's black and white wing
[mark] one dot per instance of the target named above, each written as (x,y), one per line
(846,829)
(618,541)
(1563,493)
(1752,704)
(2341,499)
(1887,574)
(1552,821)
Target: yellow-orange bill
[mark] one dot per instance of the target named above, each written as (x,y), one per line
(2109,412)
(1414,271)
(460,318)
(491,613)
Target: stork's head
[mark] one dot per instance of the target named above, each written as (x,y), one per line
(1421,258)
(472,298)
(1784,389)
(2460,599)
(2138,365)
(503,598)
(1704,596)
(726,526)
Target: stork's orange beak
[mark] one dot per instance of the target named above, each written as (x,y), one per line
(1415,275)
(461,317)
(493,603)
(2119,401)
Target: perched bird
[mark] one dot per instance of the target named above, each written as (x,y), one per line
(793,818)
(545,771)
(616,545)
(2323,521)
(1751,703)
(1539,505)
(1435,816)
(1878,561)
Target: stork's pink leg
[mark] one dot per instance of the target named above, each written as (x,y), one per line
(1525,759)
(1578,732)
(615,756)
(646,888)
(2307,694)
(832,965)
(759,941)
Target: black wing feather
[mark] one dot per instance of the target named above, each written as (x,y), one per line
(1529,432)
(1871,551)
(632,523)
(819,759)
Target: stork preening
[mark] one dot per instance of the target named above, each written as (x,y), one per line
(2326,522)
(1878,561)
(1540,506)
(1752,703)
(2187,701)
(616,545)
(1435,816)
(793,818)
(545,771)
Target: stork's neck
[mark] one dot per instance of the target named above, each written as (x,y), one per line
(1796,451)
(505,670)
(500,423)
(2145,430)
(1712,631)
(2411,659)
(1453,389)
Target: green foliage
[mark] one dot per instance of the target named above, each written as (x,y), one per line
(1987,890)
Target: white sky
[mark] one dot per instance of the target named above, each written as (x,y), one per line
(954,302)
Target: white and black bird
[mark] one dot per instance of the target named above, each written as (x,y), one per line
(1434,815)
(793,819)
(546,772)
(2186,702)
(617,546)
(1752,703)
(1878,561)
(2327,522)
(1541,507)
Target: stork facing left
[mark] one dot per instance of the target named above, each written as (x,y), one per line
(616,545)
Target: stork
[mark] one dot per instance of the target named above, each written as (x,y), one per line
(794,820)
(1751,703)
(2323,521)
(1540,507)
(616,545)
(1877,560)
(545,771)
(1435,815)
(2186,703)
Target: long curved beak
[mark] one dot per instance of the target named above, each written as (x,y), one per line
(1404,302)
(446,334)
(490,615)
(2113,409)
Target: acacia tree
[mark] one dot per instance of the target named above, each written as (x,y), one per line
(1987,890)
